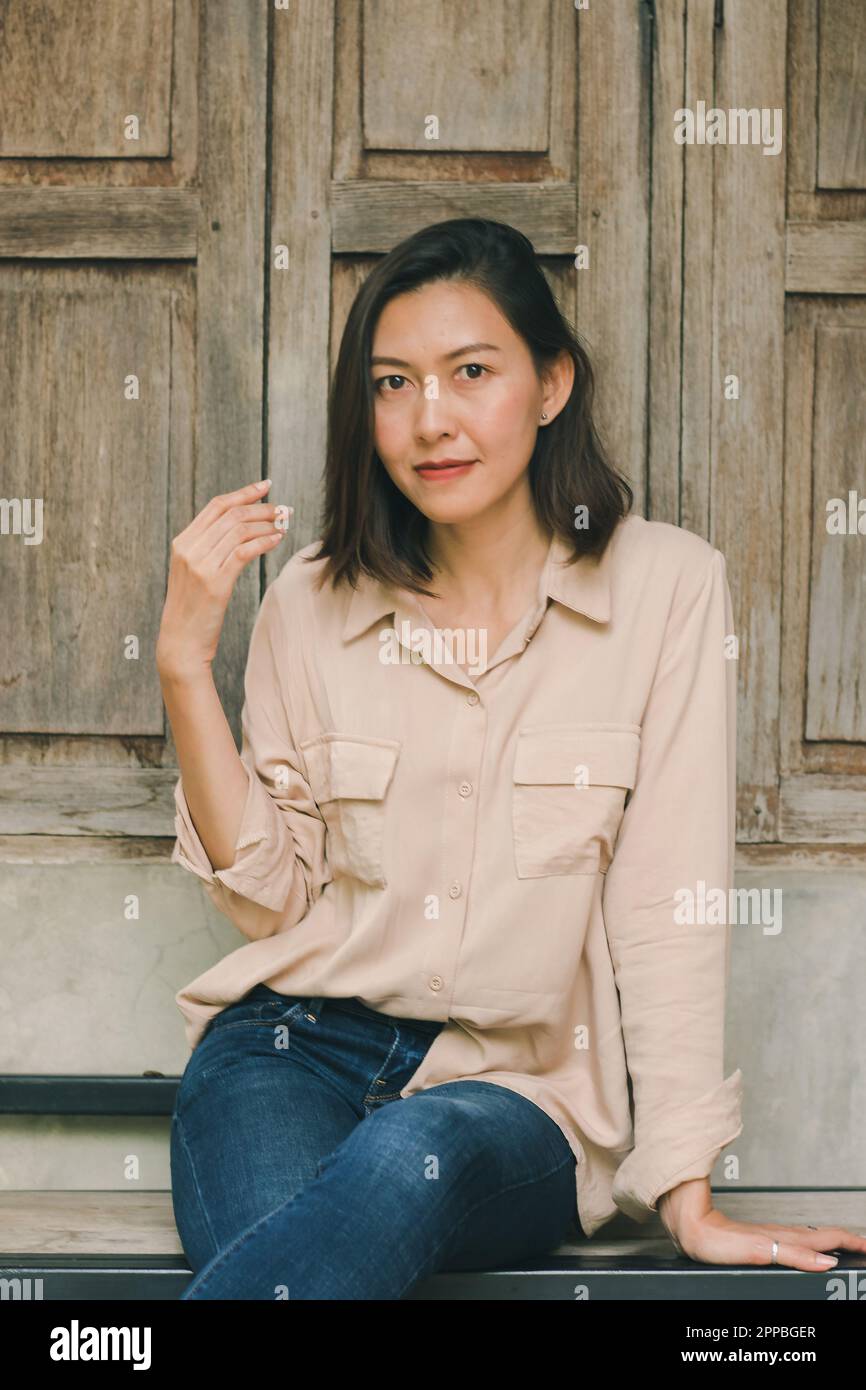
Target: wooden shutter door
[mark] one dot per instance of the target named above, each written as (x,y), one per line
(132,200)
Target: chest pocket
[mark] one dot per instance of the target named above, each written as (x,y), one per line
(349,778)
(570,785)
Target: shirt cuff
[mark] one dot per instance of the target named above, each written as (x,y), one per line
(685,1146)
(251,874)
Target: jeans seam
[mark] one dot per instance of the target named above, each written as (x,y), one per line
(241,1239)
(491,1196)
(391,1051)
(197,1189)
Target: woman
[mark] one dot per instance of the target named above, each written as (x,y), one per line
(463,1027)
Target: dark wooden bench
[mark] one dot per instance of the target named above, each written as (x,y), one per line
(124,1244)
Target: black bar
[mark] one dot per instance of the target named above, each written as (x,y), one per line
(149,1094)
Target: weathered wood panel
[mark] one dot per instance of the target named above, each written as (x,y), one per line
(176,169)
(299,289)
(836,676)
(481,72)
(825,258)
(748,389)
(693,460)
(85,440)
(806,201)
(230,297)
(806,319)
(822,809)
(668,351)
(108,223)
(354,160)
(71,76)
(86,801)
(841,94)
(613,222)
(372,217)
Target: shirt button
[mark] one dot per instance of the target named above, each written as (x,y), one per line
(465,788)
(472,699)
(436,982)
(455,890)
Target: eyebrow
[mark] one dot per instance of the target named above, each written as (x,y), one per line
(458,352)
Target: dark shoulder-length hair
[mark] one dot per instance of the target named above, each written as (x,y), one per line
(368,524)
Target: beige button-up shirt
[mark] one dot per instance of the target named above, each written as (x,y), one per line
(538,852)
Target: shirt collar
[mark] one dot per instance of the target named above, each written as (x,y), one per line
(583,586)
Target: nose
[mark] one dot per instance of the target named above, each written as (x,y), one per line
(434,413)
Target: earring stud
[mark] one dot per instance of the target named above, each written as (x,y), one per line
(544,414)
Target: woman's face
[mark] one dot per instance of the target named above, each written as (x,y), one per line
(453,381)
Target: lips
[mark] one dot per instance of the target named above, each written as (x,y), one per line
(444,468)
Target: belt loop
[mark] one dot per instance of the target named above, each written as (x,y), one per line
(316,1004)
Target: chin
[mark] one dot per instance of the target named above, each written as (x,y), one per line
(449,512)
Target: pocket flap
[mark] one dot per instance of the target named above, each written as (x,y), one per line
(357,768)
(554,753)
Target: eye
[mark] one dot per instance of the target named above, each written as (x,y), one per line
(381,382)
(470,366)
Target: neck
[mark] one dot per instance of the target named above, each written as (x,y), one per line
(479,559)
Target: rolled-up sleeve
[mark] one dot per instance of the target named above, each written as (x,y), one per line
(280,864)
(677,842)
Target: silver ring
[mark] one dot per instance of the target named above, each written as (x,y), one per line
(775,1252)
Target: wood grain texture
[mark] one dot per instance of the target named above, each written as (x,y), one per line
(352,159)
(836,670)
(671,354)
(176,169)
(372,216)
(806,202)
(481,71)
(110,223)
(86,801)
(91,849)
(129,1222)
(841,94)
(806,318)
(613,222)
(299,295)
(697,291)
(96,463)
(825,257)
(54,102)
(747,432)
(230,295)
(822,809)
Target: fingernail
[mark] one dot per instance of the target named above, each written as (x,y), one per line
(828,1260)
(265,483)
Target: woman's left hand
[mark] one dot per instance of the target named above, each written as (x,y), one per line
(700,1231)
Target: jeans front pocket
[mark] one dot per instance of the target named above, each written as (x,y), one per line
(568,798)
(349,778)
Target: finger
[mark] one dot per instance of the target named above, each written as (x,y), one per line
(789,1254)
(251,533)
(832,1238)
(201,549)
(248,550)
(819,1237)
(222,503)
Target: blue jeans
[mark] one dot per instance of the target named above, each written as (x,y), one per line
(294,1175)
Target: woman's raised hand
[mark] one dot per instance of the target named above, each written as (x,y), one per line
(206,559)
